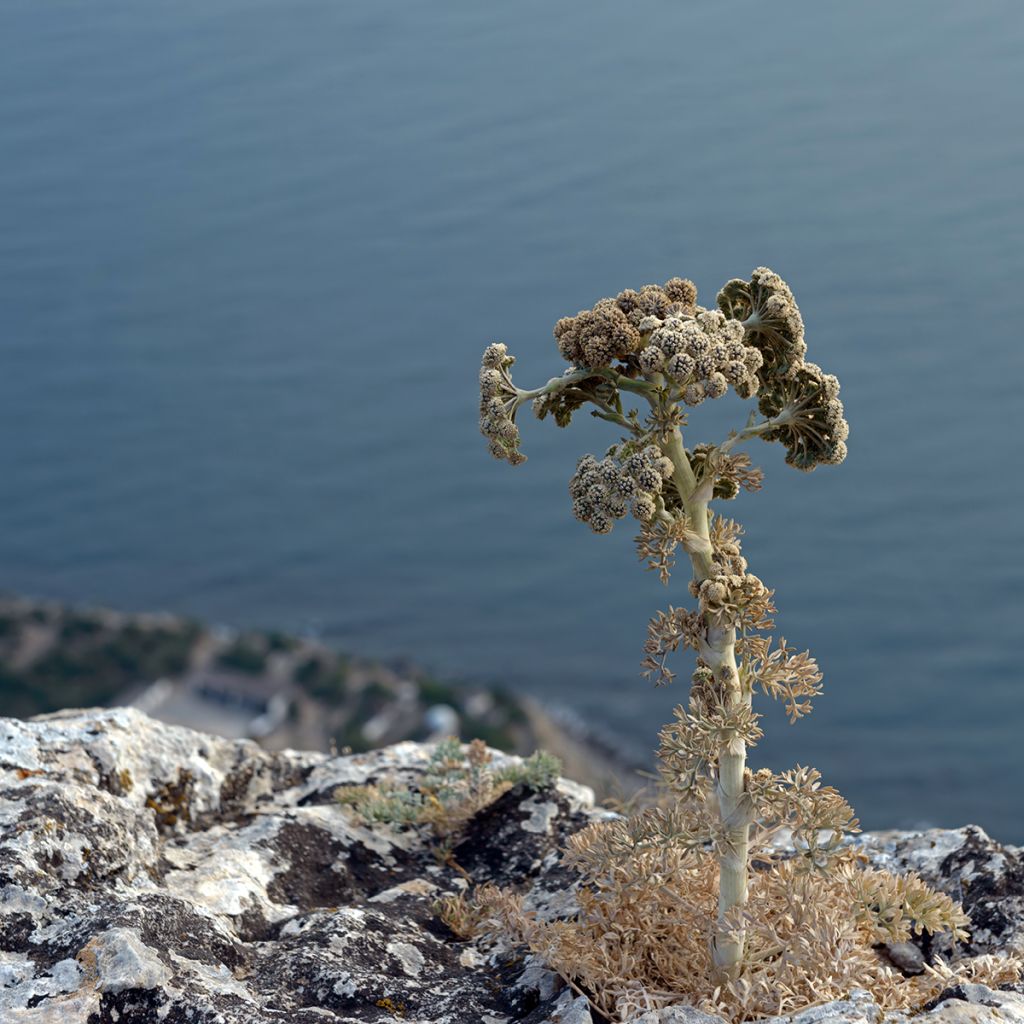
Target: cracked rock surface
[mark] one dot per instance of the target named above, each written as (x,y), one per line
(151,873)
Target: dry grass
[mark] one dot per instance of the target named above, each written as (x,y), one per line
(642,938)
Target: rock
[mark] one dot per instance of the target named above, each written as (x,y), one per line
(677,1015)
(120,960)
(151,873)
(906,957)
(973,1004)
(571,1011)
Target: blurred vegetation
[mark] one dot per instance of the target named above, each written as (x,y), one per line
(53,657)
(86,663)
(247,654)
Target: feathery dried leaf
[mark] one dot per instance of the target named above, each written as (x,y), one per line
(665,632)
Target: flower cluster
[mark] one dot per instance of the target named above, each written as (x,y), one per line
(726,595)
(813,430)
(604,491)
(771,319)
(728,560)
(498,405)
(703,355)
(611,329)
(799,393)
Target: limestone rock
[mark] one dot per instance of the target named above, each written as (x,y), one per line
(153,874)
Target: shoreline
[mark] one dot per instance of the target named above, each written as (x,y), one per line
(280,689)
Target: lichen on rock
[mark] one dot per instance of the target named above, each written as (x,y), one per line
(265,899)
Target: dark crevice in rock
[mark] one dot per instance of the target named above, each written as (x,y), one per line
(985,893)
(312,878)
(496,847)
(251,926)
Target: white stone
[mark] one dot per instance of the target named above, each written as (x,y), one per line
(123,961)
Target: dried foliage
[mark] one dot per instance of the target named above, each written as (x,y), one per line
(467,914)
(665,632)
(723,474)
(783,674)
(643,933)
(656,545)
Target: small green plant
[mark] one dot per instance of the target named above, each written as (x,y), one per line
(459,780)
(670,909)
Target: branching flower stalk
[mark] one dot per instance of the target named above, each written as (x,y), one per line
(657,347)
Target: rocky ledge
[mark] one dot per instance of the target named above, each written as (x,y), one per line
(152,873)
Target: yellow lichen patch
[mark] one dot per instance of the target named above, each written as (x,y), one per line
(171,802)
(86,958)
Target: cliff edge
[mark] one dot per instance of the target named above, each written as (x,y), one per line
(152,873)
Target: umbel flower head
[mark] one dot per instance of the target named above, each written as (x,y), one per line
(811,426)
(770,317)
(604,491)
(498,400)
(702,355)
(611,329)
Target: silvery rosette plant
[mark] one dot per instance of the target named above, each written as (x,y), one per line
(669,906)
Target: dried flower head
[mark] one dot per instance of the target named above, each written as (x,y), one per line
(702,354)
(498,405)
(596,337)
(812,425)
(770,317)
(612,329)
(603,491)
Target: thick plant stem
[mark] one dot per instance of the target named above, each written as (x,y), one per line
(734,850)
(720,656)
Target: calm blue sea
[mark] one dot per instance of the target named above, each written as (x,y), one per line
(250,252)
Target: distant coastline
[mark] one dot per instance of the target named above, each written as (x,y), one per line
(283,691)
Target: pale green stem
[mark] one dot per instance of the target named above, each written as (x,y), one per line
(602,410)
(720,655)
(556,384)
(623,383)
(613,417)
(553,385)
(752,430)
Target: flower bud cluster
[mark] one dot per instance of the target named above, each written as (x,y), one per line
(728,561)
(815,430)
(703,355)
(770,317)
(724,595)
(497,405)
(611,329)
(604,491)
